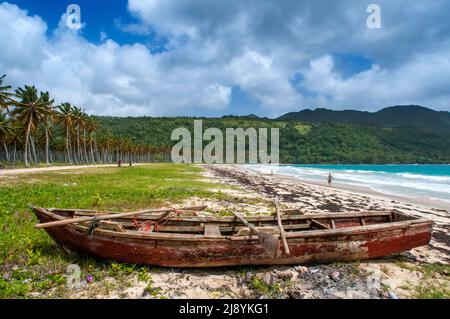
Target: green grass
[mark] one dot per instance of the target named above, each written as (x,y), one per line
(431,291)
(435,282)
(31,261)
(436,270)
(263,288)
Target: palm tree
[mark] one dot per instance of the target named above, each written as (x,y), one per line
(127,144)
(5,96)
(92,127)
(30,110)
(78,115)
(83,123)
(66,117)
(5,132)
(48,116)
(107,145)
(15,139)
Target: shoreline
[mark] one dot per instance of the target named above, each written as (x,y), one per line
(424,202)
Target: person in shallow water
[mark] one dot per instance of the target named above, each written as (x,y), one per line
(330,179)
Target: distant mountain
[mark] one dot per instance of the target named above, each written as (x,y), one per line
(250,116)
(408,115)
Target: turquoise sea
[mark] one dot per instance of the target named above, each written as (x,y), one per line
(426,181)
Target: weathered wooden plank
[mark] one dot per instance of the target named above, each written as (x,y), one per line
(114,226)
(315,222)
(363,222)
(212,230)
(245,231)
(68,210)
(254,219)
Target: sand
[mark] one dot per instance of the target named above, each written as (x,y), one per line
(16,171)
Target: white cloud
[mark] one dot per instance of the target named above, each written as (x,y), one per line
(216,45)
(105,79)
(423,80)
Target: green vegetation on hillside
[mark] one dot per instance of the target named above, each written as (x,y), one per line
(419,117)
(302,142)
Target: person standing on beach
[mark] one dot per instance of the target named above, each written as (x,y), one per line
(330,179)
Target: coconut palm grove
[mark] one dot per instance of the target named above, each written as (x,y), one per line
(34,130)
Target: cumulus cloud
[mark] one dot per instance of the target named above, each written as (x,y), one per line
(107,78)
(213,46)
(292,37)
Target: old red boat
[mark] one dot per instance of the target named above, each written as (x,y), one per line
(184,239)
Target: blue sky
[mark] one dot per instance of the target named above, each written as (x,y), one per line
(97,18)
(213,58)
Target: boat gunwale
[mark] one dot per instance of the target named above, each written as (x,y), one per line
(346,231)
(230,219)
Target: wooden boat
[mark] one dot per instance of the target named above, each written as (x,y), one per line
(186,240)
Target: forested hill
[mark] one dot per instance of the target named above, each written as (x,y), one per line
(412,115)
(316,141)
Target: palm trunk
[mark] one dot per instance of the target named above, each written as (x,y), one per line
(98,156)
(91,149)
(6,151)
(27,135)
(33,148)
(15,153)
(78,144)
(68,146)
(46,145)
(73,149)
(84,146)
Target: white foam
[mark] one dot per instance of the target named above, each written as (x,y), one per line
(408,184)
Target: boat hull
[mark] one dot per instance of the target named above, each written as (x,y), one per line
(355,243)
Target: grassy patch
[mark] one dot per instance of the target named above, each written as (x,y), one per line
(436,270)
(432,291)
(263,288)
(355,269)
(31,261)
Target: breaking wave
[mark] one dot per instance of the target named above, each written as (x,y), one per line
(406,180)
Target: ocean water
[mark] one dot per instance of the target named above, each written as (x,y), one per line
(425,181)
